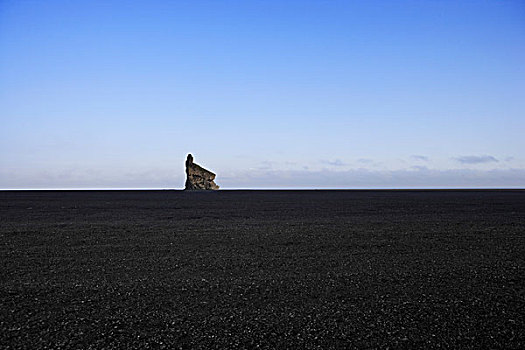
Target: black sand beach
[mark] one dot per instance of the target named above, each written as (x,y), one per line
(267,269)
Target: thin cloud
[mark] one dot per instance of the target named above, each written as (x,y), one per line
(336,162)
(265,165)
(476,159)
(418,167)
(365,160)
(419,157)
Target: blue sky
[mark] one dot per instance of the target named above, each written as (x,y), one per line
(268,94)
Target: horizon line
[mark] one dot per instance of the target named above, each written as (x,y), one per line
(263,189)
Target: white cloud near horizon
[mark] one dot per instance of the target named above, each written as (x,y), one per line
(415,177)
(336,162)
(419,157)
(476,159)
(361,178)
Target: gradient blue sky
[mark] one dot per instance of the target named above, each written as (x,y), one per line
(268,94)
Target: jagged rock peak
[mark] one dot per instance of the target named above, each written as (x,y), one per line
(198,178)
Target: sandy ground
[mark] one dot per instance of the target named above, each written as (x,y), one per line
(267,269)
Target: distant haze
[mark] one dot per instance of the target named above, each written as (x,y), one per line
(266,94)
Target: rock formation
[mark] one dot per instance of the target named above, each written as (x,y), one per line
(198,178)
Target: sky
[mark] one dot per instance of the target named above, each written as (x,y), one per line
(267,94)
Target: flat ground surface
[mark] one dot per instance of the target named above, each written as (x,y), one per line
(269,269)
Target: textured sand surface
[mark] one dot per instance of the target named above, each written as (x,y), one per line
(273,269)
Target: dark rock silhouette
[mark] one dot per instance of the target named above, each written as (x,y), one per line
(198,178)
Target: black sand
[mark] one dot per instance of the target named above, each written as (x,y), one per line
(268,269)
